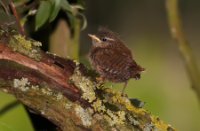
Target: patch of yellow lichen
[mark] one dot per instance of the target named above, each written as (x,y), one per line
(161,125)
(118,98)
(24,43)
(123,100)
(27,47)
(137,116)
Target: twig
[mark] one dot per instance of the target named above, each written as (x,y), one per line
(14,11)
(4,7)
(184,47)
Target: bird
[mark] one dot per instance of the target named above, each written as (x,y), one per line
(111,58)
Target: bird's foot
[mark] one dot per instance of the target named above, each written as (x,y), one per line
(124,94)
(100,80)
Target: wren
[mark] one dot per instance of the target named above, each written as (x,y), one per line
(111,58)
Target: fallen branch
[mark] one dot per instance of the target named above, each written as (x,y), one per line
(62,91)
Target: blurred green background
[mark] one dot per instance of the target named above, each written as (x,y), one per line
(143,26)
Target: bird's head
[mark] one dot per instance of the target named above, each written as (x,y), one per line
(104,38)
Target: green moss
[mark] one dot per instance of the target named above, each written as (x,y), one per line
(27,47)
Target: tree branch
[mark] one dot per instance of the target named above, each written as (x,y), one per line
(184,46)
(62,90)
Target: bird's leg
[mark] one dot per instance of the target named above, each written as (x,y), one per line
(100,79)
(123,89)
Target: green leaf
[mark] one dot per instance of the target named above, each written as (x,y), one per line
(81,2)
(43,14)
(15,119)
(77,7)
(56,9)
(73,12)
(71,19)
(84,21)
(66,6)
(6,127)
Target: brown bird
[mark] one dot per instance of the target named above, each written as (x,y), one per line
(111,58)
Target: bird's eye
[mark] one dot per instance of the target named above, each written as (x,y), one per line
(104,39)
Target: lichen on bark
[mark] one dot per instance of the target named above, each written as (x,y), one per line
(114,107)
(27,47)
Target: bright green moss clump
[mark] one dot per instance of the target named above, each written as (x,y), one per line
(27,47)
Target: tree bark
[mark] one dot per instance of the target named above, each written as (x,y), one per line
(65,92)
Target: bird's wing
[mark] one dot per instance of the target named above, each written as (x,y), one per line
(113,61)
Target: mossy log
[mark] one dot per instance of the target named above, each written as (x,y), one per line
(64,92)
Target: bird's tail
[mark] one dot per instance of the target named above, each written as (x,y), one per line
(136,72)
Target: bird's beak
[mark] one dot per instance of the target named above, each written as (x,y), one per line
(94,38)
